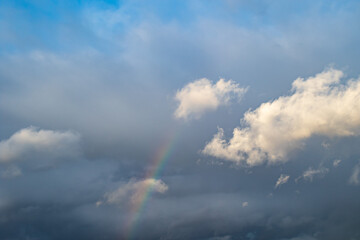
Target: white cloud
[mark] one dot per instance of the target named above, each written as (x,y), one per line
(245,204)
(309,174)
(282,180)
(319,105)
(202,95)
(336,162)
(30,142)
(354,178)
(134,191)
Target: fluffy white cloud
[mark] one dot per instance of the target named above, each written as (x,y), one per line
(319,105)
(282,180)
(202,95)
(354,178)
(309,174)
(133,192)
(32,142)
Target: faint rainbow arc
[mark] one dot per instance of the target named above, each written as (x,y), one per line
(159,160)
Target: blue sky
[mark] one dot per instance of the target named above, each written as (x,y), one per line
(43,21)
(250,106)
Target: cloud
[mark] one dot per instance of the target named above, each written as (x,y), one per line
(305,237)
(11,172)
(309,174)
(319,105)
(202,96)
(116,98)
(282,180)
(227,237)
(34,142)
(134,191)
(336,162)
(354,178)
(245,204)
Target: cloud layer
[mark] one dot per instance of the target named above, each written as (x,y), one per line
(202,96)
(319,105)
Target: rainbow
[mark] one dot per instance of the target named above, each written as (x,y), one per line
(158,162)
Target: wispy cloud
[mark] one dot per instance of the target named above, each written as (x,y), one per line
(336,162)
(310,173)
(354,178)
(11,172)
(304,237)
(282,180)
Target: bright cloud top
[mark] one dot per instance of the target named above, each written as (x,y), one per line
(282,180)
(31,141)
(319,105)
(133,191)
(202,96)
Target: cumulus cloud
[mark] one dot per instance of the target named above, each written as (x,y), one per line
(282,180)
(202,95)
(319,105)
(32,142)
(133,191)
(354,178)
(310,173)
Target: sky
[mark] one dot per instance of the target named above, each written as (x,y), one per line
(191,119)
